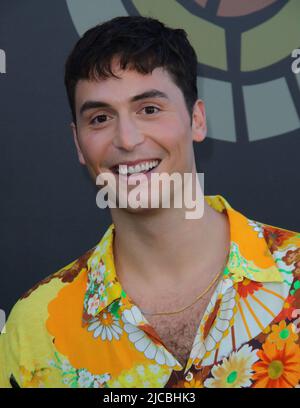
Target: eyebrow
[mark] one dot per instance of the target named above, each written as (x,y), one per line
(152,93)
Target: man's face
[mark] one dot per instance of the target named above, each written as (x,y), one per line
(136,117)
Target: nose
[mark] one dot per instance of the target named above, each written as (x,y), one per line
(127,135)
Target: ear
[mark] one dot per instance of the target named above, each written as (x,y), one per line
(199,127)
(75,136)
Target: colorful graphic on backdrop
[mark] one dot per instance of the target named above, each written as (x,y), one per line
(244,58)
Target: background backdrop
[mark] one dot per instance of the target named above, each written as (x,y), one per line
(48,212)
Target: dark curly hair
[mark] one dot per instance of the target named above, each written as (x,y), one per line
(140,43)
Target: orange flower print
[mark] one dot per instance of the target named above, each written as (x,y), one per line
(287,310)
(247,287)
(282,334)
(277,368)
(275,237)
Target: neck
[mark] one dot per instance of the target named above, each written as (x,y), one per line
(146,244)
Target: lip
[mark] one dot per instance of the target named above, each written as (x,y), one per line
(134,163)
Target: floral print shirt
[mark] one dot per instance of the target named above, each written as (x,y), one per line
(78,328)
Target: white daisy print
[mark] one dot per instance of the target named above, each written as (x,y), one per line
(142,342)
(106,326)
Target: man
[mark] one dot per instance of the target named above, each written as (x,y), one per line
(161,301)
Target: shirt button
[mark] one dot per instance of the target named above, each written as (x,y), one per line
(189,376)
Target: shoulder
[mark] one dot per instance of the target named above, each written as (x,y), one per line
(26,343)
(284,245)
(32,306)
(282,240)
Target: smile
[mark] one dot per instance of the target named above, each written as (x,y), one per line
(142,167)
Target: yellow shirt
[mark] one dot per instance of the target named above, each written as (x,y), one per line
(78,328)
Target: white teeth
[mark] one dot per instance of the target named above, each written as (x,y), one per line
(124,169)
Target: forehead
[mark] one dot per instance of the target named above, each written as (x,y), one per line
(129,83)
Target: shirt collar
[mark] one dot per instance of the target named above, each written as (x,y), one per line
(249,258)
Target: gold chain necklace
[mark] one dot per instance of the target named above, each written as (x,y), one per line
(197,298)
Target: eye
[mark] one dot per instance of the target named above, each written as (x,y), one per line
(98,119)
(149,109)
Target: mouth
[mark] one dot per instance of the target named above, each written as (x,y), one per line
(143,167)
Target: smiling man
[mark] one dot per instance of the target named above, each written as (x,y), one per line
(161,301)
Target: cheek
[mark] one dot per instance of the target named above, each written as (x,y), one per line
(93,148)
(172,133)
(177,138)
